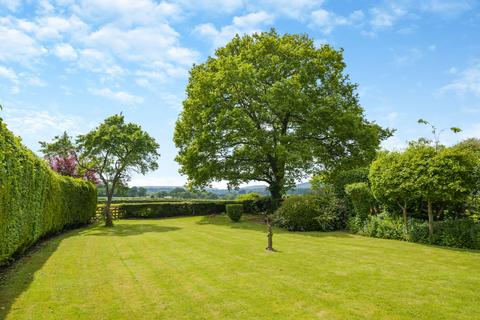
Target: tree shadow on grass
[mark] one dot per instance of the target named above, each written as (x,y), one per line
(17,277)
(125,230)
(256,223)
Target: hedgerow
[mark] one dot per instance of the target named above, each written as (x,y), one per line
(34,200)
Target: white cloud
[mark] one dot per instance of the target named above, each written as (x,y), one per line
(408,56)
(143,44)
(215,6)
(327,20)
(468,81)
(65,52)
(247,24)
(30,121)
(447,7)
(55,27)
(298,9)
(127,12)
(9,74)
(18,46)
(119,96)
(384,17)
(11,5)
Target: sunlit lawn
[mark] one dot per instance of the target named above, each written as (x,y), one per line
(208,268)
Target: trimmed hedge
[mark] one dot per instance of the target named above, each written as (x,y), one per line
(234,211)
(171,209)
(34,200)
(164,209)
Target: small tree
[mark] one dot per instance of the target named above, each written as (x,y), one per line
(440,175)
(391,181)
(115,149)
(61,155)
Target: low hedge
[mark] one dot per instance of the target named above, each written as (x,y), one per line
(34,200)
(171,209)
(164,209)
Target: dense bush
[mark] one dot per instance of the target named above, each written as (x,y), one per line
(323,212)
(171,209)
(380,226)
(460,233)
(258,205)
(362,199)
(34,200)
(234,211)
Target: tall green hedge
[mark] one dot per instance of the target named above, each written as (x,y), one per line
(34,200)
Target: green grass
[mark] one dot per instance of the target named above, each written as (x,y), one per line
(208,268)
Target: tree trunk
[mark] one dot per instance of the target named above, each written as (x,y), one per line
(404,211)
(269,235)
(430,218)
(276,194)
(108,213)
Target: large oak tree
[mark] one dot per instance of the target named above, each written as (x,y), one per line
(272,108)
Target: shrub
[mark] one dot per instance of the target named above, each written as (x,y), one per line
(257,206)
(323,212)
(252,196)
(171,209)
(460,233)
(234,211)
(383,226)
(34,200)
(362,198)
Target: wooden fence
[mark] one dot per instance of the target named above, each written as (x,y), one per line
(116,211)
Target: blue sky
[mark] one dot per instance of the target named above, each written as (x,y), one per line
(66,65)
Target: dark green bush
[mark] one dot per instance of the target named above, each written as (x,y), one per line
(234,211)
(257,206)
(381,226)
(460,233)
(322,212)
(34,200)
(172,209)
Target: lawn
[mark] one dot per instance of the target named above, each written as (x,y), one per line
(208,268)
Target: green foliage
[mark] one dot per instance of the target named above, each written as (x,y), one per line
(270,107)
(460,233)
(234,211)
(248,196)
(323,212)
(381,226)
(114,149)
(362,198)
(174,209)
(34,200)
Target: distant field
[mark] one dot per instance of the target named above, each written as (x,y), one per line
(148,200)
(208,268)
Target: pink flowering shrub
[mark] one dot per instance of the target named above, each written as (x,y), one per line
(68,166)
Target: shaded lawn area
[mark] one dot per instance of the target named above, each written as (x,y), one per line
(209,268)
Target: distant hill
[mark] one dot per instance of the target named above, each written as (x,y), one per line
(261,189)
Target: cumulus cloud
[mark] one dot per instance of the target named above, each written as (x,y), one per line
(18,46)
(8,74)
(118,96)
(32,121)
(468,81)
(247,24)
(11,5)
(144,44)
(327,20)
(127,12)
(65,52)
